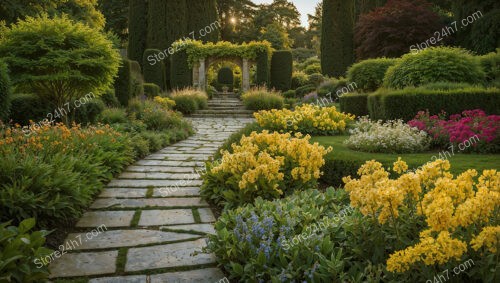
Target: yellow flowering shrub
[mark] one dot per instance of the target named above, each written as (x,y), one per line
(448,206)
(165,102)
(264,164)
(306,119)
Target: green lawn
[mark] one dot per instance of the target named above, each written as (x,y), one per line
(459,161)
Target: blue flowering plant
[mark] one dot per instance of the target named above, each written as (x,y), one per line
(254,242)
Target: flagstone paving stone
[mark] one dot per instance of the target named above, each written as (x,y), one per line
(148,215)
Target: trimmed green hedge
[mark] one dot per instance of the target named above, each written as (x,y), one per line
(5,91)
(435,64)
(181,76)
(303,90)
(203,14)
(128,84)
(263,69)
(153,73)
(151,90)
(405,104)
(281,70)
(28,106)
(354,103)
(137,29)
(369,74)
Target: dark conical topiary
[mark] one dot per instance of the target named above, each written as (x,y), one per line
(137,27)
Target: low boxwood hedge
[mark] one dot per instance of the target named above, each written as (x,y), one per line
(354,103)
(404,104)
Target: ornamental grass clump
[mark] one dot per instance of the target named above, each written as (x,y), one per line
(262,99)
(452,218)
(306,119)
(388,137)
(189,100)
(264,164)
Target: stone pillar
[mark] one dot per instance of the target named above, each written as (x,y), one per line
(245,76)
(202,81)
(196,76)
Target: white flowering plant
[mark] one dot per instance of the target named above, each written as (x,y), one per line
(387,137)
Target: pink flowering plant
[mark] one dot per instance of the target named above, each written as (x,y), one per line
(471,127)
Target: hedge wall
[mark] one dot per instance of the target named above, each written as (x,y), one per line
(137,28)
(354,103)
(337,37)
(203,14)
(153,73)
(405,104)
(263,69)
(181,75)
(5,91)
(281,70)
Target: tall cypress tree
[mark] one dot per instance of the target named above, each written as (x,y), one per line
(337,37)
(202,16)
(366,6)
(137,27)
(166,23)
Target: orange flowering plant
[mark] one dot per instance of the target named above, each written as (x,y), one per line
(54,172)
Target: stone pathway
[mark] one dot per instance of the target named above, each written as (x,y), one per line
(155,220)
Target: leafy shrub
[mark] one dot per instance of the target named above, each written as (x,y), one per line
(308,62)
(299,79)
(354,103)
(302,54)
(109,98)
(315,79)
(262,99)
(369,74)
(22,252)
(263,164)
(437,64)
(336,87)
(289,94)
(26,107)
(157,118)
(301,91)
(5,91)
(313,69)
(388,137)
(48,57)
(306,119)
(472,127)
(88,113)
(51,167)
(151,90)
(113,116)
(402,104)
(281,70)
(491,66)
(189,100)
(265,241)
(455,224)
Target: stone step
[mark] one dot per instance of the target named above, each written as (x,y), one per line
(231,116)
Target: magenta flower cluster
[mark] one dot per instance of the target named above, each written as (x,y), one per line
(459,128)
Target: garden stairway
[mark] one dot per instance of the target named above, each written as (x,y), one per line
(155,221)
(224,105)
